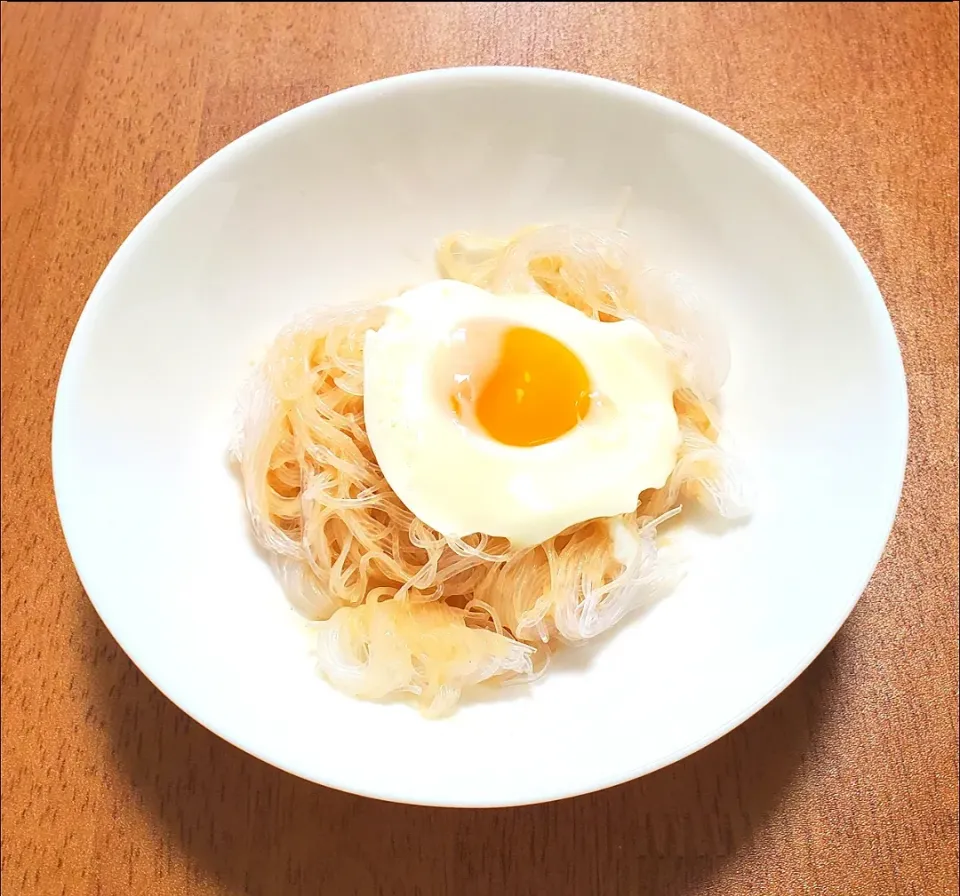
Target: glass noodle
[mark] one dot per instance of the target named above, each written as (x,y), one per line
(399,607)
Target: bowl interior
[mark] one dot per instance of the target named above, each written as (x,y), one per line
(344,198)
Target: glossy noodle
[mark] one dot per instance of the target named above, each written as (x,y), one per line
(401,609)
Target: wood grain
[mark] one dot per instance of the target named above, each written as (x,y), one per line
(846,784)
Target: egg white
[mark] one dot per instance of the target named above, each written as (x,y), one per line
(460,481)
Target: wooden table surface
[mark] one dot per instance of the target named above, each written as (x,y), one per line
(846,784)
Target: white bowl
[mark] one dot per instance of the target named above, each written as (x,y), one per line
(344,197)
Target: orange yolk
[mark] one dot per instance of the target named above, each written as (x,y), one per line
(538,390)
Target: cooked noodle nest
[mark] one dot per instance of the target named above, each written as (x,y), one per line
(398,607)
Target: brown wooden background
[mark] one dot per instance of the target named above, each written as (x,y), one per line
(846,784)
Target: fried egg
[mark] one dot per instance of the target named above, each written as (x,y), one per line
(515,415)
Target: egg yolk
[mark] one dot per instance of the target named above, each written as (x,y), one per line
(537,391)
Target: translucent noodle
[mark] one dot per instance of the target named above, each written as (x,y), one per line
(402,609)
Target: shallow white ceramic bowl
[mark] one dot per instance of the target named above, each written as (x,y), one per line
(344,197)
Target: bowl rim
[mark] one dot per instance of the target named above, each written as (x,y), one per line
(887,346)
